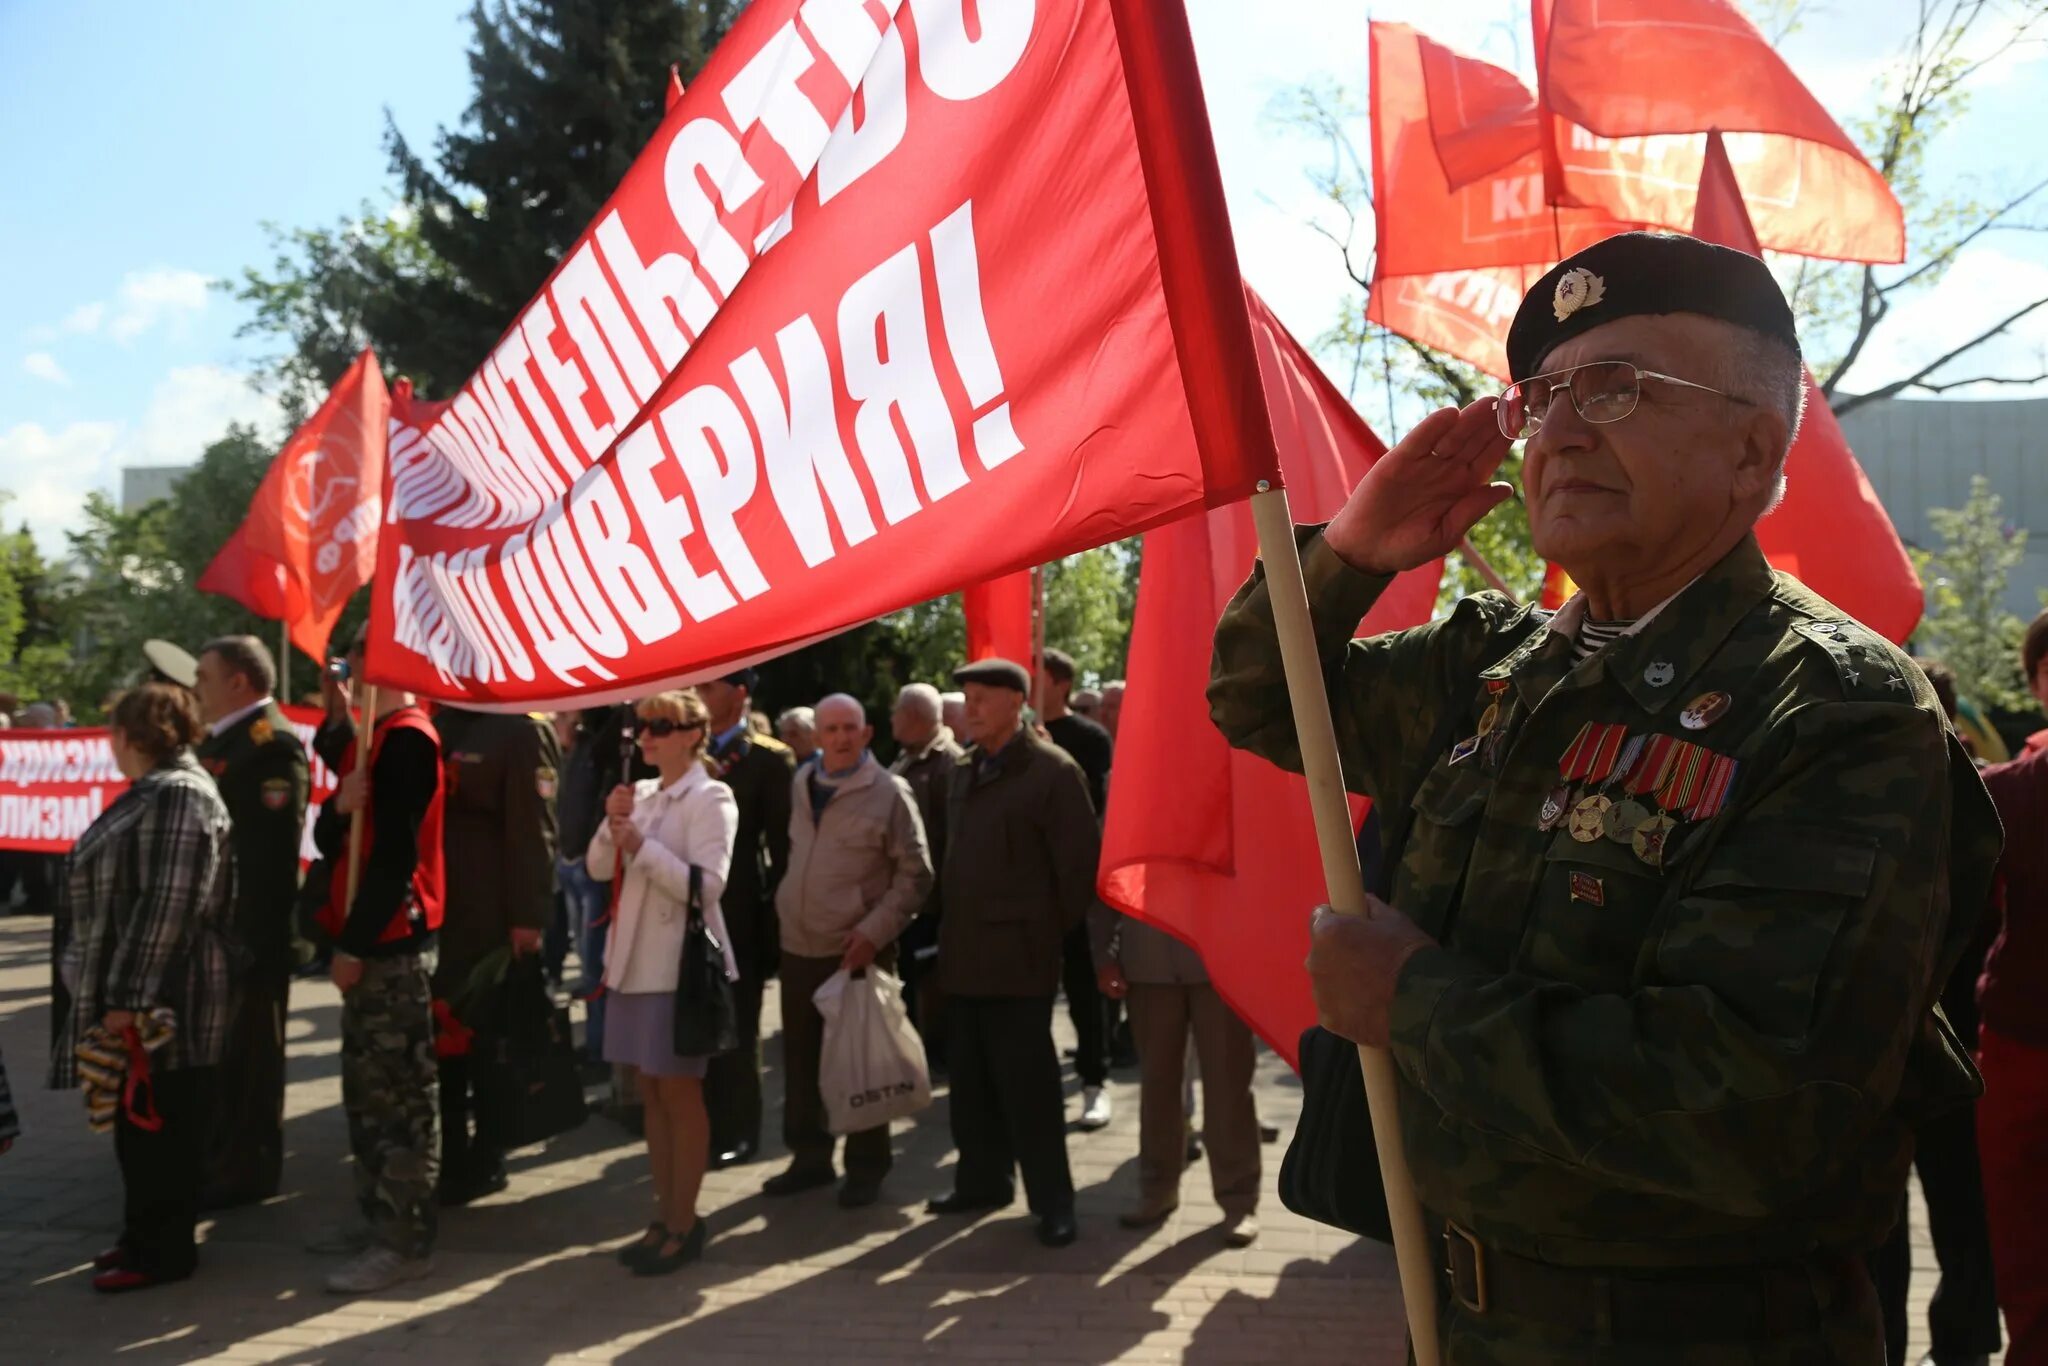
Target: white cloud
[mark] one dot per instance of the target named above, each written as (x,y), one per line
(1985,285)
(145,299)
(50,472)
(42,365)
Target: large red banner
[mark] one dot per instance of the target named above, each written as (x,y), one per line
(55,783)
(900,297)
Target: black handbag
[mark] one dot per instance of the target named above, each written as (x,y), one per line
(523,1061)
(707,1019)
(1331,1172)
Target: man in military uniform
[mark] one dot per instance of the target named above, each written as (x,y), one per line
(1689,862)
(498,776)
(260,767)
(758,769)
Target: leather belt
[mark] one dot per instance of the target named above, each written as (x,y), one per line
(1701,1304)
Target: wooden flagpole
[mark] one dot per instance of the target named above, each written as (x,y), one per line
(284,663)
(364,728)
(1316,734)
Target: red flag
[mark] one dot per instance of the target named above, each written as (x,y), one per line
(310,539)
(1831,531)
(1636,85)
(1557,588)
(256,581)
(821,357)
(998,613)
(1208,843)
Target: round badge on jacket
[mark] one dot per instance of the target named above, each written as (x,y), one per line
(1705,710)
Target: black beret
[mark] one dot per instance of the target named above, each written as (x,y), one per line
(1646,272)
(995,673)
(743,678)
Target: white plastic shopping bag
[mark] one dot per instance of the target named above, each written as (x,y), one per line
(872,1069)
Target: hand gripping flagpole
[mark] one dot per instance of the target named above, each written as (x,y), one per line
(1317,736)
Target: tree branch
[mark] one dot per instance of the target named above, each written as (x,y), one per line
(1918,378)
(1948,253)
(1944,386)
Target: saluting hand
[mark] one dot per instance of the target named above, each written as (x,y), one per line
(1354,964)
(1420,498)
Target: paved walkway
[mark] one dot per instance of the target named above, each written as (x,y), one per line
(527,1276)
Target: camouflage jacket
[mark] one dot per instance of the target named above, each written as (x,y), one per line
(1705,1048)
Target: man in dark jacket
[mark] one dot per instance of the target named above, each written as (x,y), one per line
(1094,1015)
(499,773)
(1021,849)
(594,764)
(260,768)
(927,756)
(758,770)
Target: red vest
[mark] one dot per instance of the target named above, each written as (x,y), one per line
(425,901)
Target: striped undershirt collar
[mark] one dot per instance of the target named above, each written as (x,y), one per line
(1589,636)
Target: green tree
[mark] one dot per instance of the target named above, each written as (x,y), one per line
(567,92)
(1967,626)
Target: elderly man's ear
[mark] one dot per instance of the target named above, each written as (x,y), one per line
(1757,463)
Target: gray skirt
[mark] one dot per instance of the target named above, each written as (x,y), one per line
(639,1031)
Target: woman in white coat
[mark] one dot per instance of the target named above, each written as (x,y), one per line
(660,829)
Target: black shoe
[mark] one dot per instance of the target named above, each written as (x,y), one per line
(467,1187)
(793,1179)
(859,1192)
(961,1203)
(1194,1149)
(641,1248)
(742,1151)
(661,1262)
(1058,1230)
(1269,1133)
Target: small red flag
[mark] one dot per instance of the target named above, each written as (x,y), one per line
(310,539)
(1831,531)
(998,613)
(1211,844)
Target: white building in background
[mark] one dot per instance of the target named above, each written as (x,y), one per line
(143,484)
(1921,454)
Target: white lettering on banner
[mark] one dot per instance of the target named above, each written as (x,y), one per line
(887,359)
(702,426)
(708,147)
(581,579)
(856,149)
(659,292)
(53,819)
(594,318)
(800,444)
(515,438)
(766,92)
(564,380)
(845,32)
(559,649)
(58,761)
(512,362)
(959,272)
(623,570)
(667,523)
(1516,197)
(958,67)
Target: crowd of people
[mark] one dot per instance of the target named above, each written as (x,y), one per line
(461,845)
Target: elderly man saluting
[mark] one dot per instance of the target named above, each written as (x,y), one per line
(1689,862)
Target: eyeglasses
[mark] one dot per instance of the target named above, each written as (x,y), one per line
(1601,391)
(660,727)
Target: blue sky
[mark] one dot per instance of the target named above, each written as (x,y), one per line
(145,144)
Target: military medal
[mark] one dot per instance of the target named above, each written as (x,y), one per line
(1587,888)
(1714,787)
(1465,749)
(1622,820)
(1588,817)
(1684,777)
(1650,838)
(1554,807)
(1705,710)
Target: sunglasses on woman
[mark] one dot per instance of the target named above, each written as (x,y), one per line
(660,727)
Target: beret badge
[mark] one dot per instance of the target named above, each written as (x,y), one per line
(1576,289)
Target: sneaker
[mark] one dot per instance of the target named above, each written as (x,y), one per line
(1240,1230)
(1094,1107)
(378,1268)
(341,1240)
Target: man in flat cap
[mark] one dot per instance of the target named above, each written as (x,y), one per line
(1688,862)
(758,769)
(1019,874)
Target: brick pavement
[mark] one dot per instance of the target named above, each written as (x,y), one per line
(527,1276)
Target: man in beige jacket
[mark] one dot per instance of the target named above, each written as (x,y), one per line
(858,871)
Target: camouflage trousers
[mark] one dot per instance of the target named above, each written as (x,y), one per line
(387,1087)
